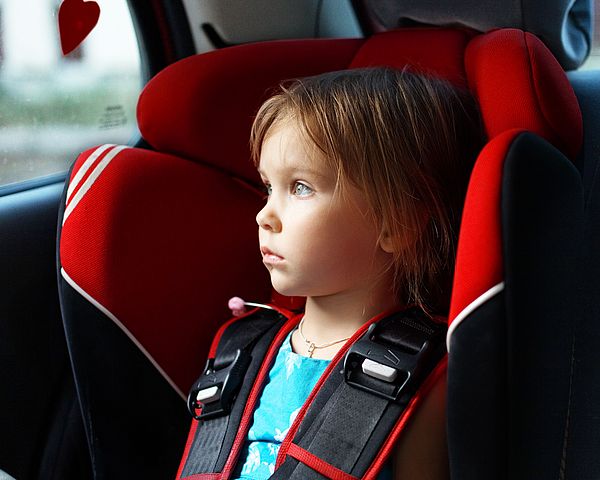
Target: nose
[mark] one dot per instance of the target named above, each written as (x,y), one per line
(267,219)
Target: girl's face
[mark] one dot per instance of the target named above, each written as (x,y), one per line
(314,242)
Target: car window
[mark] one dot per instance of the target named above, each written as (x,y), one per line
(593,61)
(53,107)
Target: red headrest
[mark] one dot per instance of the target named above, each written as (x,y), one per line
(519,84)
(201,108)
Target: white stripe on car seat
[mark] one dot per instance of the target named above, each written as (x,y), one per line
(85,167)
(106,312)
(91,179)
(484,297)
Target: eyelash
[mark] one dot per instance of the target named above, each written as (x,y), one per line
(268,189)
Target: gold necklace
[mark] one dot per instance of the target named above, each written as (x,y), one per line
(311,345)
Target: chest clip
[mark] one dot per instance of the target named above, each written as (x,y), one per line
(390,367)
(214,392)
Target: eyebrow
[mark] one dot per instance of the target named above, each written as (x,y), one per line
(297,171)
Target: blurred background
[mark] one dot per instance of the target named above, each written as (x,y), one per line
(51,106)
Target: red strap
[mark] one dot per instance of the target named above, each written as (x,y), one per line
(317,464)
(203,476)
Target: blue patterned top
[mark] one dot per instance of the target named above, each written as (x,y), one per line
(290,381)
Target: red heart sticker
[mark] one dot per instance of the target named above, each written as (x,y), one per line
(76,19)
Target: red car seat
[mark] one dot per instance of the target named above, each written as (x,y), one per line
(517,281)
(154,241)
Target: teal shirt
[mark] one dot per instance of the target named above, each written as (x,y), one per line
(290,381)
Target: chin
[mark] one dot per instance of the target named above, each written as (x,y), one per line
(286,288)
(297,285)
(286,291)
(289,290)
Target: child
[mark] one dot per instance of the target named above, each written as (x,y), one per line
(365,172)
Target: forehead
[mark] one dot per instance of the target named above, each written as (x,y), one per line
(285,150)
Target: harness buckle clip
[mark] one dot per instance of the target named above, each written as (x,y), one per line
(214,392)
(390,370)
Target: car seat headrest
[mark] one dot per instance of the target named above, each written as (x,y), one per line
(434,51)
(519,84)
(201,108)
(565,26)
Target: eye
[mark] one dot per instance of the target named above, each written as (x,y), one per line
(301,190)
(267,189)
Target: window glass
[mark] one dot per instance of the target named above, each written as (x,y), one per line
(593,61)
(53,107)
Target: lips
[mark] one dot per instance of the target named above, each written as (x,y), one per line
(270,257)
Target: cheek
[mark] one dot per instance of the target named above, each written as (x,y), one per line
(343,243)
(355,232)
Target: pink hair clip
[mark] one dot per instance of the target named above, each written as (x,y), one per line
(237,306)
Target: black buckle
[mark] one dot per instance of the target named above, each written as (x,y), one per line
(390,371)
(215,390)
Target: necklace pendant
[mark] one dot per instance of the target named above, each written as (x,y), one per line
(311,349)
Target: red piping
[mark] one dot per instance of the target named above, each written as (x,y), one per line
(318,464)
(203,476)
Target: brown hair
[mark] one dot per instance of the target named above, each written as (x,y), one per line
(408,142)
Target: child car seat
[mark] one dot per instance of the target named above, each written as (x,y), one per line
(153,242)
(517,277)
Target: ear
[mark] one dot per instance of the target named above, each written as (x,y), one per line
(390,244)
(386,242)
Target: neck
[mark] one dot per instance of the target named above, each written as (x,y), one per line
(333,317)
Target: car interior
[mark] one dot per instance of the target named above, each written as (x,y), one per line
(117,270)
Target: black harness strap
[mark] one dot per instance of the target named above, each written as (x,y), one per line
(356,408)
(223,388)
(353,412)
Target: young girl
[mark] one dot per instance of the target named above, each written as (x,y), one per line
(365,172)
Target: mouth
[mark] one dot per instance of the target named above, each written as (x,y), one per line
(270,257)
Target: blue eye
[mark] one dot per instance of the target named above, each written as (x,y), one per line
(267,189)
(302,190)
